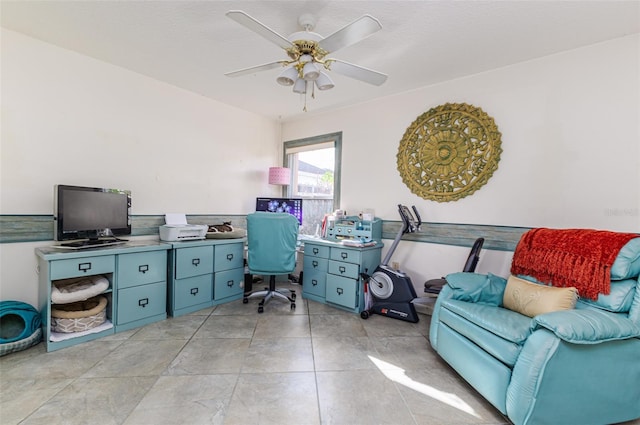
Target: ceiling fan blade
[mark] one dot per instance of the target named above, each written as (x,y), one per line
(357,30)
(255,69)
(358,72)
(259,28)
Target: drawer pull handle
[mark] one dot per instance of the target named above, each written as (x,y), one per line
(342,269)
(344,255)
(194,291)
(144,268)
(229,257)
(143,302)
(230,283)
(314,282)
(316,251)
(84,267)
(315,264)
(339,291)
(195,262)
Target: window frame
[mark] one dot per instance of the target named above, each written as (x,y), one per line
(336,139)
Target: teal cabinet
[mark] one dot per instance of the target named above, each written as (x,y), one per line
(140,268)
(191,292)
(204,273)
(141,303)
(228,285)
(136,273)
(314,276)
(142,289)
(82,267)
(331,273)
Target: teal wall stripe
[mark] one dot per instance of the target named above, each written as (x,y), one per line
(26,228)
(499,238)
(34,228)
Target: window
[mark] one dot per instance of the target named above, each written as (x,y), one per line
(315,177)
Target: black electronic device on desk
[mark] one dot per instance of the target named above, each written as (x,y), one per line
(88,217)
(391,291)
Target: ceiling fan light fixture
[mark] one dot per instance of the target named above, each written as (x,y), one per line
(300,86)
(324,82)
(310,72)
(288,77)
(307,52)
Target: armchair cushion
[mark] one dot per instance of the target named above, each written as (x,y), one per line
(587,326)
(619,299)
(531,299)
(498,331)
(477,288)
(627,263)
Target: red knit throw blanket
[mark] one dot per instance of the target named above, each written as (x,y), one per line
(580,258)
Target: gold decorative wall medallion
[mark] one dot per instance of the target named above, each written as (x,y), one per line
(449,152)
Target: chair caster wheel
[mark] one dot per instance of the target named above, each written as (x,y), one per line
(260,309)
(293,306)
(364,314)
(293,295)
(245,300)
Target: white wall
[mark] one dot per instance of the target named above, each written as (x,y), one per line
(570,127)
(70,119)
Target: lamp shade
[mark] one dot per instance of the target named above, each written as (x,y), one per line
(279,175)
(324,82)
(300,86)
(310,71)
(288,77)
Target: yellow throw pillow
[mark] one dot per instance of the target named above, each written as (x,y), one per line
(532,299)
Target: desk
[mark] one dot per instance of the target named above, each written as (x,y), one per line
(331,273)
(204,273)
(137,292)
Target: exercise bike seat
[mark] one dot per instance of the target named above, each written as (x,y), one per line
(434,286)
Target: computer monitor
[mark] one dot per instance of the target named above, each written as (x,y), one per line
(292,206)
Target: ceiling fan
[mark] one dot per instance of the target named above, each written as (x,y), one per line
(307,53)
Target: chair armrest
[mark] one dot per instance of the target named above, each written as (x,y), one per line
(477,288)
(586,326)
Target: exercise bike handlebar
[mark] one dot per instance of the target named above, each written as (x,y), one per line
(411,223)
(410,226)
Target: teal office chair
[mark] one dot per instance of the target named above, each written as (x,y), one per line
(272,239)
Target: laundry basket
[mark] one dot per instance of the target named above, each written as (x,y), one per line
(79,316)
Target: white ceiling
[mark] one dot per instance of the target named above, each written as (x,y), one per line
(191,44)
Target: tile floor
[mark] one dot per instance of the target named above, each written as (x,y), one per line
(230,365)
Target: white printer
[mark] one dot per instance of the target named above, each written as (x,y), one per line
(177,229)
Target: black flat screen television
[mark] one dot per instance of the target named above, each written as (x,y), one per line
(91,213)
(292,206)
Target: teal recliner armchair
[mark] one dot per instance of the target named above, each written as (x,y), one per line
(574,366)
(271,240)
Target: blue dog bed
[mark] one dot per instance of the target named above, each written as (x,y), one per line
(20,326)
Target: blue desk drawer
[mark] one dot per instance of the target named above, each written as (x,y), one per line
(346,255)
(311,264)
(140,302)
(141,268)
(194,261)
(227,283)
(229,256)
(87,266)
(193,291)
(314,282)
(344,269)
(316,250)
(342,291)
